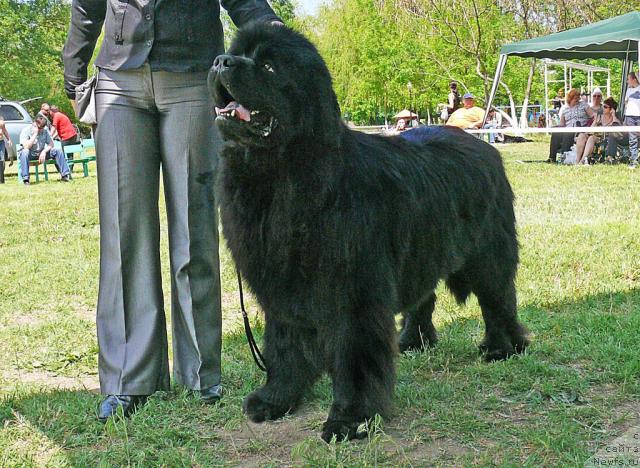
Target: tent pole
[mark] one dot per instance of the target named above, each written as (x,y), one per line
(494,87)
(546,95)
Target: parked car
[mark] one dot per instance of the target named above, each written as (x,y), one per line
(16,119)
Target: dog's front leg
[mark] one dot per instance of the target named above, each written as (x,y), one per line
(292,367)
(362,372)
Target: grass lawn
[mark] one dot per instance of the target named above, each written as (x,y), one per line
(572,394)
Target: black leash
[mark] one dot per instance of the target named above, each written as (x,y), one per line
(253,346)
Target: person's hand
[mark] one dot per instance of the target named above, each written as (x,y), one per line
(42,156)
(74,105)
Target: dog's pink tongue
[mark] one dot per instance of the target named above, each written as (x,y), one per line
(242,112)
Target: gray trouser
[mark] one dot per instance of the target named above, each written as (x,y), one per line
(633,120)
(146,120)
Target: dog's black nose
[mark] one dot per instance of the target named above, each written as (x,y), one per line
(222,62)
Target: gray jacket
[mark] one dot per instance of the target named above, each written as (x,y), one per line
(173,35)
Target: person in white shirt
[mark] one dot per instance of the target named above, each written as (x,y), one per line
(632,115)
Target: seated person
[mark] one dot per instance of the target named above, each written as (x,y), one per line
(596,105)
(398,128)
(574,114)
(37,144)
(64,128)
(613,139)
(596,101)
(492,122)
(468,116)
(586,142)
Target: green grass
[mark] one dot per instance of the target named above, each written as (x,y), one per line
(575,390)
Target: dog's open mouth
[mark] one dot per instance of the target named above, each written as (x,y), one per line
(258,121)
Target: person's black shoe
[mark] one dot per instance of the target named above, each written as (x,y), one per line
(211,395)
(129,403)
(26,182)
(550,161)
(66,178)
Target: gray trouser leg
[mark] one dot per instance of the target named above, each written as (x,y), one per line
(189,157)
(632,120)
(143,122)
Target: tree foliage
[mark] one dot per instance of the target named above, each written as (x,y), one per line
(374,48)
(32,33)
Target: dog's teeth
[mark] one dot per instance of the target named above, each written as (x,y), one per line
(233,113)
(255,112)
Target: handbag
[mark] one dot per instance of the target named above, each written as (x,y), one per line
(86,100)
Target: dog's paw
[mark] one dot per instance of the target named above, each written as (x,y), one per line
(492,353)
(259,410)
(502,349)
(342,430)
(417,341)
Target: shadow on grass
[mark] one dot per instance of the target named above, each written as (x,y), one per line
(577,346)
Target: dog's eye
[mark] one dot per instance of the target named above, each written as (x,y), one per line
(268,67)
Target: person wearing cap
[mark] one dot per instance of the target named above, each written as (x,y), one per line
(596,101)
(469,116)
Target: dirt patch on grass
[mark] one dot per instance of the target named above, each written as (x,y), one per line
(255,445)
(32,319)
(84,312)
(35,318)
(50,380)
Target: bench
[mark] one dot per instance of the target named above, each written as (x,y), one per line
(83,154)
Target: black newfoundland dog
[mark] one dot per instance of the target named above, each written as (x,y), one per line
(336,231)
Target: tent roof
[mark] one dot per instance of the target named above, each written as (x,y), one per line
(611,38)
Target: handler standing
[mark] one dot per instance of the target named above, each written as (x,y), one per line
(153,110)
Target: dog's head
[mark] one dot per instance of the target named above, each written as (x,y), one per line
(272,87)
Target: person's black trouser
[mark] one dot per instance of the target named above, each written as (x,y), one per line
(2,152)
(68,142)
(561,142)
(613,143)
(148,120)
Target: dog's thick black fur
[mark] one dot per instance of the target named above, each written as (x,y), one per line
(336,231)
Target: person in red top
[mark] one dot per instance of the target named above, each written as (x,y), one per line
(64,129)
